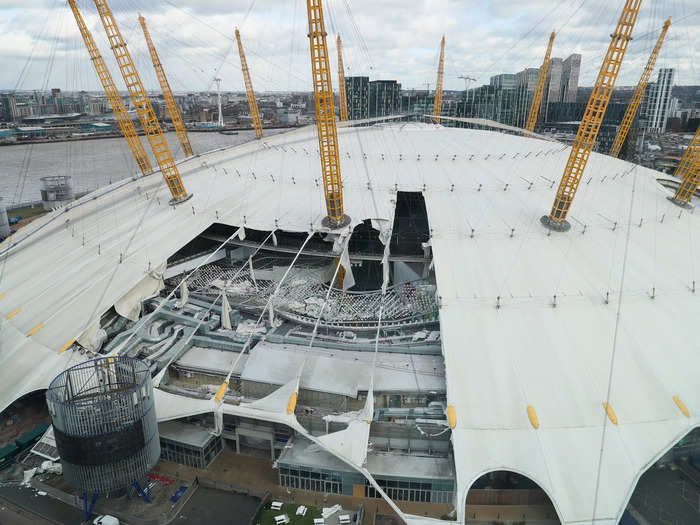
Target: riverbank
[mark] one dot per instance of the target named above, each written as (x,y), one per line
(91,164)
(117,134)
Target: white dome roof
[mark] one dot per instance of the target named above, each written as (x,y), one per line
(499,274)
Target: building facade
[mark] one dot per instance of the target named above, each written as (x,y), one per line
(525,84)
(564,118)
(357,90)
(503,81)
(552,88)
(507,97)
(384,98)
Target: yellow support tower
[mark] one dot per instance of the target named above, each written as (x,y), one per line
(592,118)
(325,116)
(149,121)
(115,100)
(689,171)
(437,105)
(252,103)
(167,93)
(638,94)
(539,90)
(341,83)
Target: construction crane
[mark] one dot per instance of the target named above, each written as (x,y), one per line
(174,112)
(254,111)
(539,90)
(325,116)
(624,128)
(220,114)
(341,83)
(466,79)
(437,105)
(149,121)
(592,118)
(689,171)
(115,100)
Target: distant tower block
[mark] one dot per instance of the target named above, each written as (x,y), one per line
(56,191)
(105,425)
(4,223)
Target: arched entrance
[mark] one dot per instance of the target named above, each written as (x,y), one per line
(507,497)
(21,425)
(669,490)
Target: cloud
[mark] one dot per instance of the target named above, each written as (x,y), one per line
(390,39)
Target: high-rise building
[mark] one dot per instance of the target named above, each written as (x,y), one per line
(552,89)
(357,89)
(508,97)
(57,99)
(571,67)
(384,98)
(657,102)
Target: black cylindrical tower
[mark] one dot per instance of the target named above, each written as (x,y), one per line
(105,425)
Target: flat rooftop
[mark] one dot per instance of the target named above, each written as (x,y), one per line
(382,464)
(192,435)
(212,360)
(344,372)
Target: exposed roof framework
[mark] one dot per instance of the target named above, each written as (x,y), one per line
(558,322)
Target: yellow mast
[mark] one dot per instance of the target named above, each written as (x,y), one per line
(592,118)
(167,93)
(115,100)
(325,116)
(437,105)
(252,103)
(539,90)
(341,83)
(638,94)
(149,121)
(689,171)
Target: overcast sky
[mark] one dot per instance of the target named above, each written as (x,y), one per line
(384,39)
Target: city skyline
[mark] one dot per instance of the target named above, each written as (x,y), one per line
(403,46)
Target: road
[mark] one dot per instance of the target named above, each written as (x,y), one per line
(215,506)
(12,514)
(15,500)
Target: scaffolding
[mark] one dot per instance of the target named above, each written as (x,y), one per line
(301,296)
(104,422)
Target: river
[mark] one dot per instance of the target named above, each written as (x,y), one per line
(91,163)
